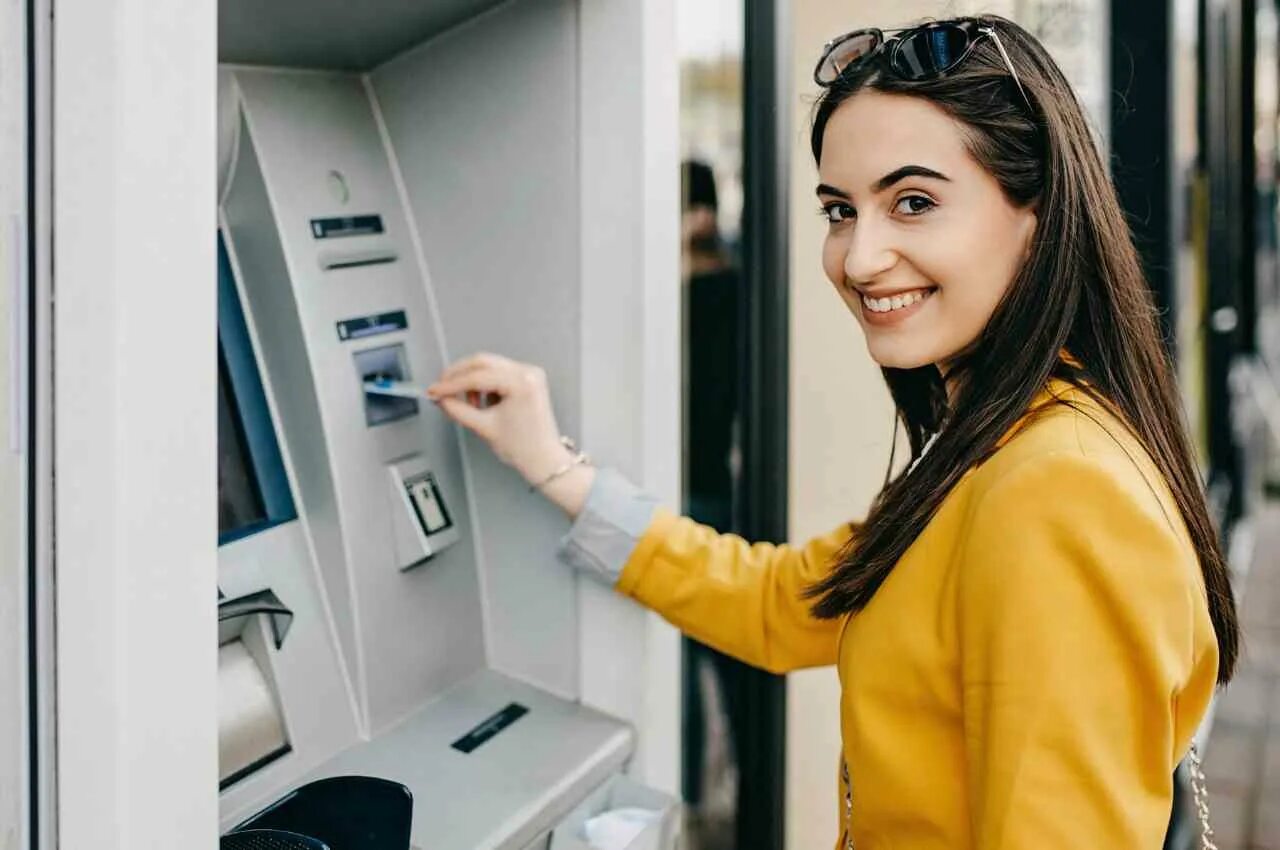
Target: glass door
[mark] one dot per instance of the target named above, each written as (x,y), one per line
(735,317)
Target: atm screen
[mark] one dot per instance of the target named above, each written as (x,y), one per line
(253,489)
(239,496)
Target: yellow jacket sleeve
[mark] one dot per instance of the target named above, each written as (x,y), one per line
(744,600)
(1080,613)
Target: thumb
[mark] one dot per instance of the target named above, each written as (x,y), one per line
(472,418)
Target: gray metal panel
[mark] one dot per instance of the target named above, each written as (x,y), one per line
(483,123)
(335,34)
(417,632)
(509,790)
(254,242)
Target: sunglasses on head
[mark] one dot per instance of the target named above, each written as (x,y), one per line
(915,53)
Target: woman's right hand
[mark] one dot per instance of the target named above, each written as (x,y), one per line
(508,405)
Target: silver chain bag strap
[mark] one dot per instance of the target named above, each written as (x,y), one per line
(1200,795)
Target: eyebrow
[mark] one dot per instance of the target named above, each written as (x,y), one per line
(888,180)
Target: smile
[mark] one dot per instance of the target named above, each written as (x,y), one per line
(900,301)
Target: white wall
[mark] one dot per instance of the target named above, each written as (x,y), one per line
(12,460)
(841,425)
(629,259)
(135,440)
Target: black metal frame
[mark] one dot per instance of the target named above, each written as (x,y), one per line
(1228,139)
(762,512)
(1142,141)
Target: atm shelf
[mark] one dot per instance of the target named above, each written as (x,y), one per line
(516,780)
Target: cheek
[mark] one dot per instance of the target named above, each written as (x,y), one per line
(973,258)
(975,263)
(994,266)
(834,249)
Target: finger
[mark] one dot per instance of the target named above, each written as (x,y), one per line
(476,361)
(461,367)
(484,380)
(473,419)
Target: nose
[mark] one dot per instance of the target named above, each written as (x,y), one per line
(870,254)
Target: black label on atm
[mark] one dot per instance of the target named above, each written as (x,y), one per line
(351,225)
(490,727)
(378,323)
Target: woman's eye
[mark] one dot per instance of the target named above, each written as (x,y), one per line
(837,213)
(913,205)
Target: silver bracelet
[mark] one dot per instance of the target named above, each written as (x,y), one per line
(578,459)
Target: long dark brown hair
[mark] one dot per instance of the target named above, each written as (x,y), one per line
(1081,289)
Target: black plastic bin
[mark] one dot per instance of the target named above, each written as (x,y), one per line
(344,813)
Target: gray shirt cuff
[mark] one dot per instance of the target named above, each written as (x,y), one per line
(612,522)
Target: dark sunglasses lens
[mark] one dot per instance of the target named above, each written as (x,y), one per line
(929,52)
(848,52)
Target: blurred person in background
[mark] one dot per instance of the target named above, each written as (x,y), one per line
(716,685)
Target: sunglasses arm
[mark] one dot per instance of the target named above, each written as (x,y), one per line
(995,36)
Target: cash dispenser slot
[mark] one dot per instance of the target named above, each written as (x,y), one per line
(233,615)
(251,727)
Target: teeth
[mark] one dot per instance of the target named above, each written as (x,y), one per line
(897,302)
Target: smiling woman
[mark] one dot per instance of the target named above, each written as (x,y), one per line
(1030,621)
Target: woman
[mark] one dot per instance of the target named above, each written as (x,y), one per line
(1030,622)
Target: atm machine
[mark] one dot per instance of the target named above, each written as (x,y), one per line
(401,184)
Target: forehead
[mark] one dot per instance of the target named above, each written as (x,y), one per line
(873,133)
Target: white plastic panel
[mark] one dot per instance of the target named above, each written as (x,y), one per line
(629,247)
(135,507)
(15,352)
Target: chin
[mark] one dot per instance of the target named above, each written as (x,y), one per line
(899,354)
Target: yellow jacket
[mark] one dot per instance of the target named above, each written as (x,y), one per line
(1028,676)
